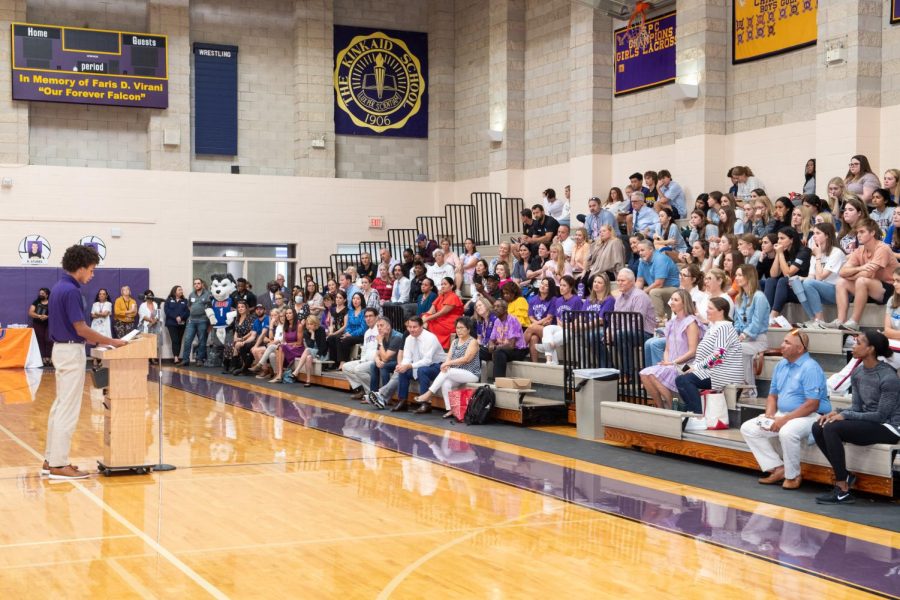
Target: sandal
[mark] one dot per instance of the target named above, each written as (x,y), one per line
(275,380)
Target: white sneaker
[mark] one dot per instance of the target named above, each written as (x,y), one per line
(836,324)
(814,324)
(695,424)
(851,325)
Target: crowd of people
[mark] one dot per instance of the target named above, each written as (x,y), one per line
(707,293)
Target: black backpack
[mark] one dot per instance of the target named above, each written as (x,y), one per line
(480,406)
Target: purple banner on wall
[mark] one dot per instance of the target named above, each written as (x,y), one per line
(645,56)
(89,66)
(895,11)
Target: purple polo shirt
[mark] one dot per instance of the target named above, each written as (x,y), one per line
(66,308)
(563,306)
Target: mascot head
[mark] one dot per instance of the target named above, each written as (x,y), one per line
(221,285)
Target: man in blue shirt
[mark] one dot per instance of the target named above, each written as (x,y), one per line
(643,219)
(671,195)
(596,217)
(69,333)
(658,276)
(797,397)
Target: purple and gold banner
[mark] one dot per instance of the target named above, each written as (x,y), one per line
(765,28)
(895,12)
(645,58)
(89,66)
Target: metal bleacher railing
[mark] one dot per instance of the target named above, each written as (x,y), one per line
(619,344)
(484,219)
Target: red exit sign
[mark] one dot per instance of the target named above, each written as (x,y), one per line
(376,222)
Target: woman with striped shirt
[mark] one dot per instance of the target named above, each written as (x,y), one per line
(717,360)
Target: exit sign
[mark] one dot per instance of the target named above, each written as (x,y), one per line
(376,222)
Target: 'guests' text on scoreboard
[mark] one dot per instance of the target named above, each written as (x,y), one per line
(89,66)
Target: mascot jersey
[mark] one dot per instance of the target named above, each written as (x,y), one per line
(221,308)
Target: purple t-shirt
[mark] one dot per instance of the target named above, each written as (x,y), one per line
(508,330)
(539,308)
(563,306)
(604,307)
(67,307)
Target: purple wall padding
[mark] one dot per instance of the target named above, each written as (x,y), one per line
(21,284)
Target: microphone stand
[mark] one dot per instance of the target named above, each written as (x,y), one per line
(161,466)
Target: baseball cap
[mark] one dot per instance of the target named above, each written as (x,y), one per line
(421,238)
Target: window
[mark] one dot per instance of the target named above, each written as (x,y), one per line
(258,263)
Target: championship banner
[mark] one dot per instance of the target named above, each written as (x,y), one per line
(379,82)
(764,28)
(89,66)
(895,11)
(19,349)
(645,55)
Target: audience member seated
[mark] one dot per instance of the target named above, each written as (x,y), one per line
(503,256)
(607,256)
(853,215)
(507,342)
(598,215)
(643,219)
(503,276)
(632,299)
(427,296)
(873,416)
(867,274)
(358,371)
(578,258)
(797,396)
(751,321)
(236,355)
(818,287)
(700,255)
(461,366)
(682,336)
(366,268)
(267,344)
(425,248)
(390,343)
(469,260)
(792,258)
(667,236)
(371,297)
(552,336)
(337,327)
(892,312)
(717,360)
(730,262)
(526,263)
(450,256)
(441,268)
(691,281)
(409,258)
(315,345)
(383,284)
(715,285)
(748,246)
(658,276)
(802,224)
(440,319)
(539,262)
(388,261)
(746,181)
(419,272)
(354,330)
(290,348)
(517,305)
(421,360)
(892,238)
(541,312)
(837,195)
(860,179)
(764,221)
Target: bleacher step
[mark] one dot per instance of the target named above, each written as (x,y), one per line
(821,341)
(540,373)
(873,314)
(830,363)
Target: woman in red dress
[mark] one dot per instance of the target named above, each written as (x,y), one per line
(440,319)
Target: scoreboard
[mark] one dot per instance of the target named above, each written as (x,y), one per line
(89,66)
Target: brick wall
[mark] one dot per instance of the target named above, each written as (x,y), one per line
(547,75)
(472,80)
(78,135)
(643,120)
(263,32)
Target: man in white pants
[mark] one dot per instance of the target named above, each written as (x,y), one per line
(797,396)
(357,371)
(69,333)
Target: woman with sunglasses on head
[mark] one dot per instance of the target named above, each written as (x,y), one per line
(873,416)
(818,287)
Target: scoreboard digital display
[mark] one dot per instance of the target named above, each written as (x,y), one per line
(89,66)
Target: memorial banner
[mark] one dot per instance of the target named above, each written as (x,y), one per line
(763,28)
(645,57)
(379,82)
(89,66)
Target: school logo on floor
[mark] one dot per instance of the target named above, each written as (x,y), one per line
(378,83)
(34,250)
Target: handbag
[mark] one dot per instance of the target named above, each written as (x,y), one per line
(459,401)
(715,410)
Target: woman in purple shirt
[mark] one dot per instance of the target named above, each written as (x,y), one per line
(541,312)
(553,334)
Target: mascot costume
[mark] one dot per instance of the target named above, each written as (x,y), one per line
(221,314)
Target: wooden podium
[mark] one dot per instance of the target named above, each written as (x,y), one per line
(124,420)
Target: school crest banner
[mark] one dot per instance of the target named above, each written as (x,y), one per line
(763,28)
(380,82)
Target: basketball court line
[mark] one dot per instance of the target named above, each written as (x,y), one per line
(821,572)
(162,551)
(99,538)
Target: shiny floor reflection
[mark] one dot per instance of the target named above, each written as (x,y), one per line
(290,498)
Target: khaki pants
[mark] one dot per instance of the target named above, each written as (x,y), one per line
(68,359)
(660,299)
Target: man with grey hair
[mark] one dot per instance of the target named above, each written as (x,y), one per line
(658,276)
(633,299)
(643,218)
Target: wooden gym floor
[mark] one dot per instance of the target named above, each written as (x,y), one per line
(277,496)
